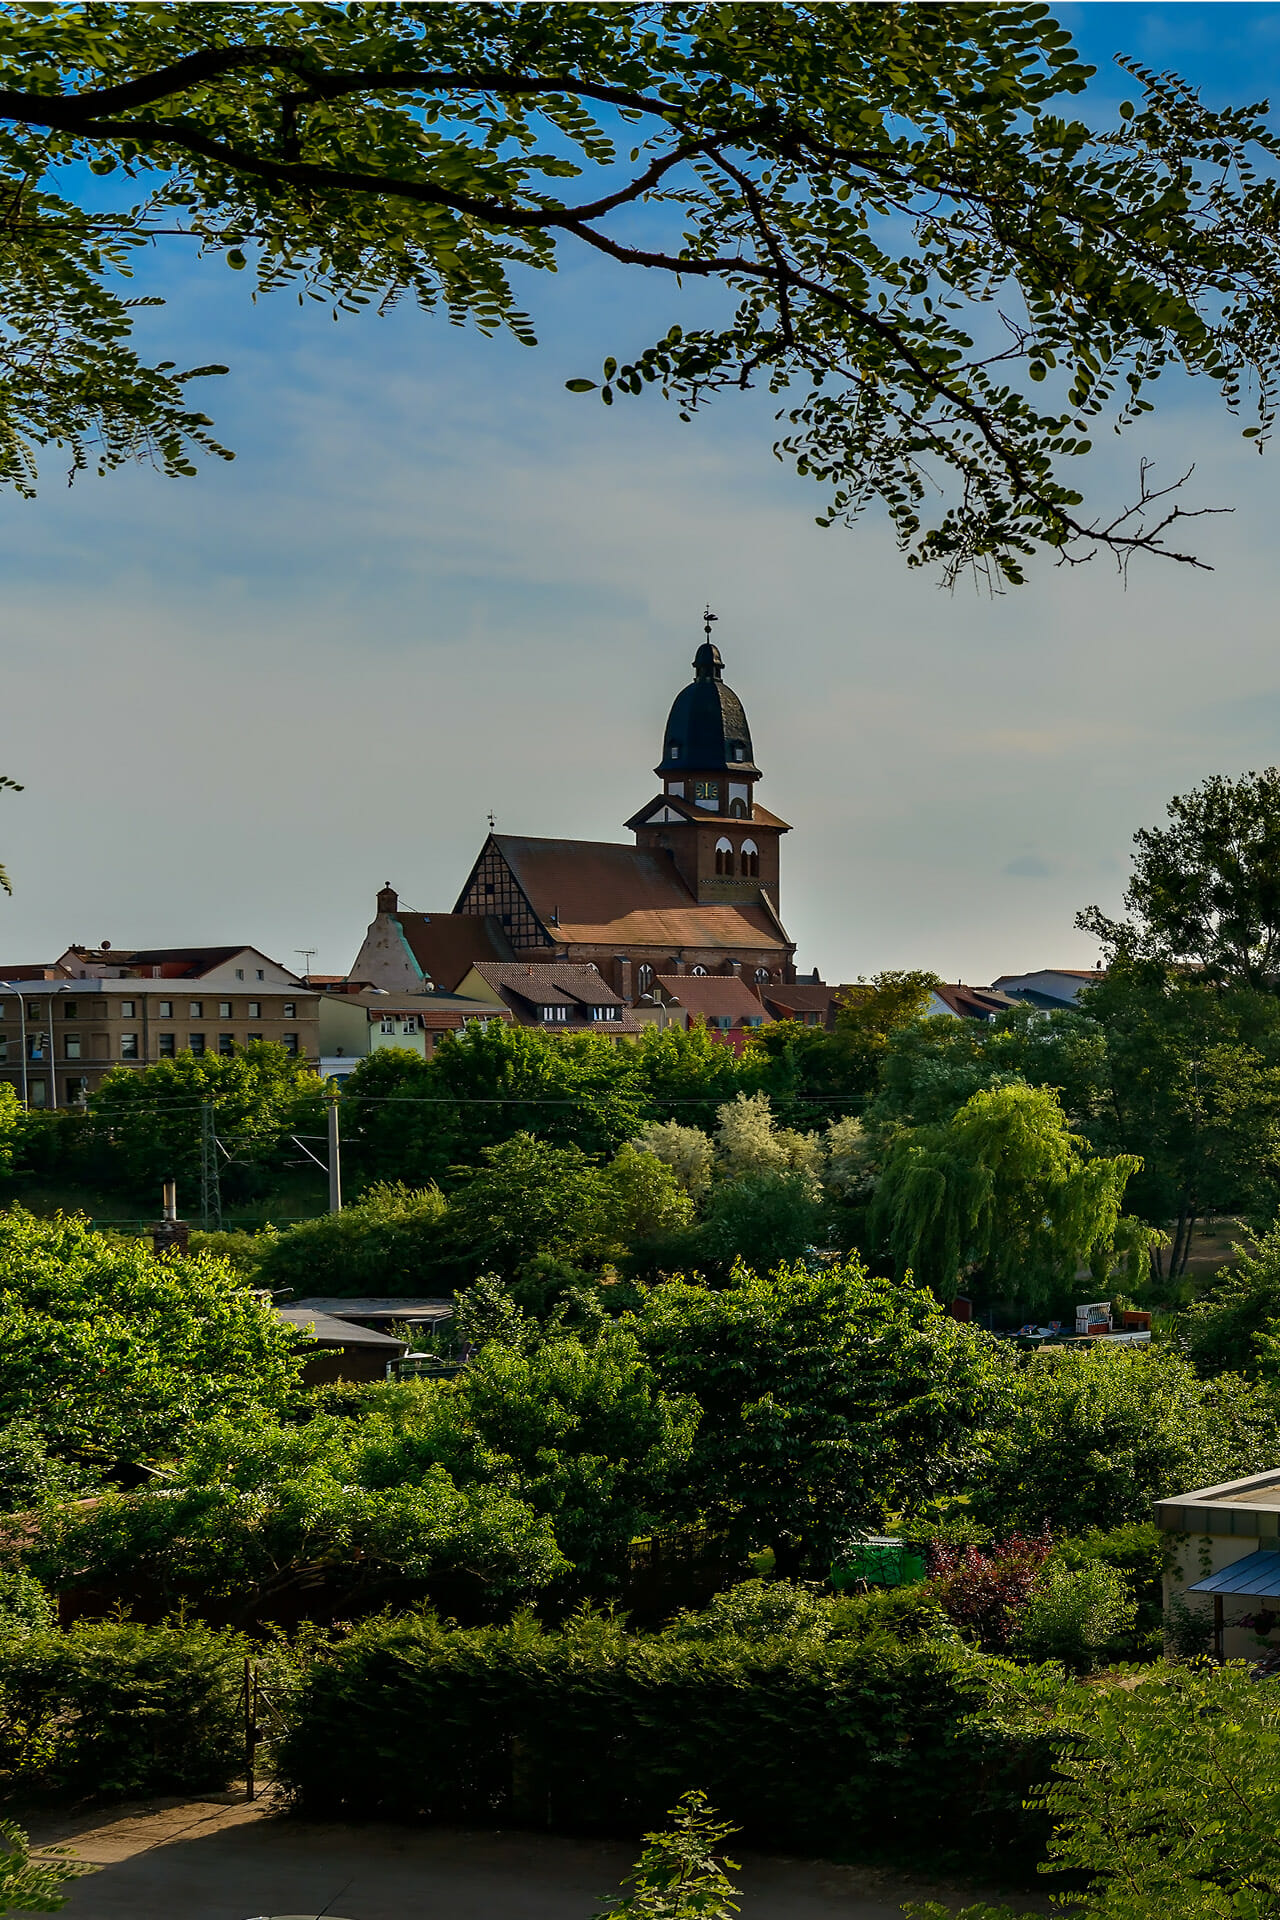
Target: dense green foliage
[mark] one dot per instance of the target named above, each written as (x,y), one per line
(391,1240)
(1090,1439)
(265,1514)
(116,1709)
(1006,1195)
(859,1738)
(259,1095)
(109,1352)
(828,1398)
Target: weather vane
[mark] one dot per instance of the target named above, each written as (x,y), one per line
(708,620)
(492,821)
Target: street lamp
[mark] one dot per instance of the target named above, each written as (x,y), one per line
(22,1041)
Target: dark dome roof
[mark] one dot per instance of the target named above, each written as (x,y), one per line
(707,723)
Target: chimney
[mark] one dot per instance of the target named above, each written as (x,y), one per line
(170,1235)
(388,899)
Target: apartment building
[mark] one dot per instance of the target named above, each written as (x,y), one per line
(60,1035)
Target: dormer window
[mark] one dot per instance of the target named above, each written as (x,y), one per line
(673,750)
(604,1013)
(551,1014)
(737,752)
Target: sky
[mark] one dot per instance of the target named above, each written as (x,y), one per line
(434,584)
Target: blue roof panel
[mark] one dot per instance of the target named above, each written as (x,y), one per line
(1256,1576)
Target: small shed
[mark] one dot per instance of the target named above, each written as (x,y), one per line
(1224,1555)
(344,1350)
(384,1313)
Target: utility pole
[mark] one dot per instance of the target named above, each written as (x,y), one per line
(210,1183)
(335,1156)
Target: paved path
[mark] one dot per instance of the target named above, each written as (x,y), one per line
(220,1859)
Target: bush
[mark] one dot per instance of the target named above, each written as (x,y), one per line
(1075,1615)
(864,1742)
(390,1241)
(115,1708)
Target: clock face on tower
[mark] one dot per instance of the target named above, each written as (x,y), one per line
(706,793)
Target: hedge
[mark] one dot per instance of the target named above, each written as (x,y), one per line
(874,1747)
(115,1708)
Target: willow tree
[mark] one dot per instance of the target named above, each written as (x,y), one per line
(1004,1197)
(947,281)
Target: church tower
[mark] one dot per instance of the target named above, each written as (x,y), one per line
(723,842)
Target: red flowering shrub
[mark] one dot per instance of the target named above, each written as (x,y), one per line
(983,1590)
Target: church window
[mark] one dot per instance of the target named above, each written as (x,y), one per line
(738,808)
(724,856)
(644,978)
(751,859)
(697,969)
(762,973)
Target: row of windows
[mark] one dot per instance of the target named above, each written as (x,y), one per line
(130,1045)
(736,750)
(128,1009)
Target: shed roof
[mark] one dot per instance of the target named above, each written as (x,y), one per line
(1256,1577)
(328,1331)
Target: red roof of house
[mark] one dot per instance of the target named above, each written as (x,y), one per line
(800,996)
(593,893)
(714,996)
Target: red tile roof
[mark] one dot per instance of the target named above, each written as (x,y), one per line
(447,945)
(801,996)
(593,893)
(973,1003)
(713,996)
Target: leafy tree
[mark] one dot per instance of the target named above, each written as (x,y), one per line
(417,1120)
(1006,1192)
(1166,1797)
(749,1141)
(684,1075)
(1194,1087)
(829,1400)
(680,1876)
(526,1198)
(870,1013)
(764,1219)
(686,1150)
(1090,1439)
(931,1067)
(261,1515)
(856,181)
(1225,1330)
(1076,1615)
(107,1351)
(392,1240)
(1205,890)
(260,1095)
(580,1431)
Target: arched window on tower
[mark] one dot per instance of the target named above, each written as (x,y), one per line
(724,856)
(750,860)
